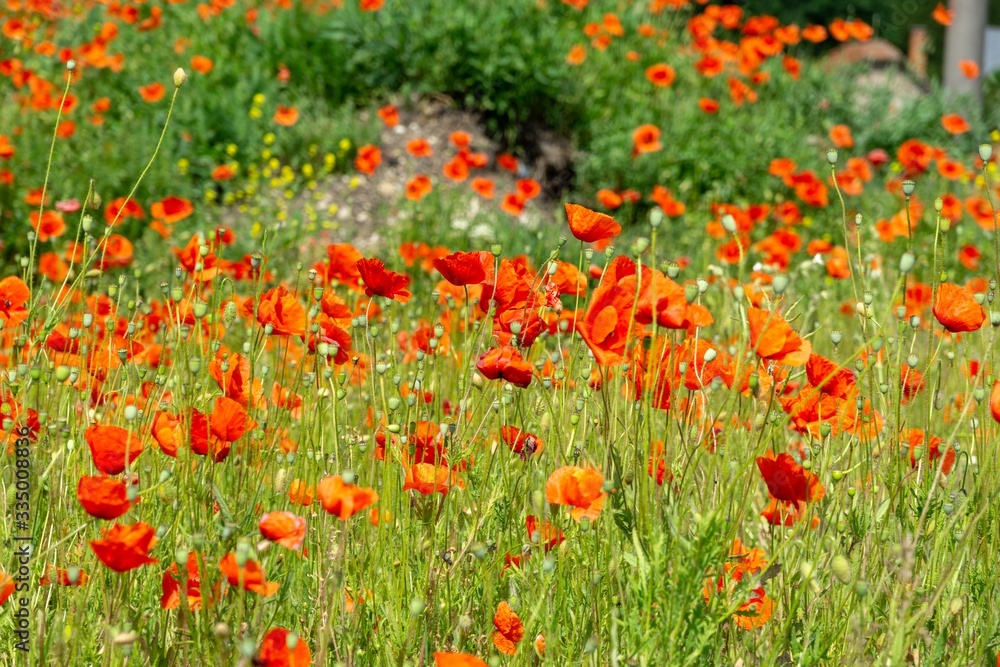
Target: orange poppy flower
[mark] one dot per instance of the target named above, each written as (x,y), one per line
(591,226)
(368,159)
(250,576)
(957,310)
(464,268)
(124,548)
(954,123)
(153,92)
(646,139)
(841,137)
(932,450)
(48,225)
(344,500)
(505,363)
(513,204)
(103,497)
(61,577)
(223,173)
(285,528)
(756,611)
(171,209)
(509,629)
(941,14)
(970,68)
(380,281)
(543,533)
(969,256)
(660,74)
(286,116)
(282,311)
(426,478)
(507,162)
(419,148)
(579,488)
(300,493)
(389,115)
(788,481)
(814,33)
(170,596)
(14,295)
(201,64)
(995,401)
(418,187)
(274,650)
(112,448)
(460,139)
(483,187)
(576,55)
(773,339)
(52,266)
(120,209)
(442,659)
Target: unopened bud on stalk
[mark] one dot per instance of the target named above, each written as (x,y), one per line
(831,156)
(780,283)
(985,152)
(729,223)
(180,77)
(906,262)
(655,217)
(908,187)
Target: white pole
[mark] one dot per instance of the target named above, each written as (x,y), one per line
(964,40)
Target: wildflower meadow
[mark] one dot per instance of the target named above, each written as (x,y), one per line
(532,332)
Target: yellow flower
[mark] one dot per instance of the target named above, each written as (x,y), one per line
(896,167)
(269,138)
(256,229)
(256,113)
(258,99)
(265,154)
(345,145)
(313,149)
(273,163)
(307,170)
(311,184)
(995,135)
(354,182)
(332,209)
(281,215)
(289,193)
(232,149)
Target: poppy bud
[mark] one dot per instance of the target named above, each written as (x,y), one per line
(906,262)
(985,152)
(655,217)
(909,187)
(780,283)
(841,569)
(180,76)
(831,156)
(729,223)
(416,607)
(836,336)
(87,223)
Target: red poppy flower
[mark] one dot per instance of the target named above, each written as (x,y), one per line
(216,434)
(464,268)
(50,225)
(483,187)
(275,649)
(124,548)
(579,488)
(418,187)
(591,226)
(344,500)
(509,629)
(941,14)
(788,481)
(368,159)
(505,363)
(103,497)
(708,105)
(380,281)
(841,137)
(543,533)
(112,447)
(250,576)
(995,401)
(970,68)
(513,204)
(660,74)
(929,449)
(285,528)
(170,587)
(957,310)
(282,311)
(153,92)
(521,442)
(7,588)
(419,148)
(14,294)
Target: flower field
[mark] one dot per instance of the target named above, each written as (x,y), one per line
(290,381)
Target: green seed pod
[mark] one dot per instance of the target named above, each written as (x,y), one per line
(841,568)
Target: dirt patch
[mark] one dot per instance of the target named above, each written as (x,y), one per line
(367,206)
